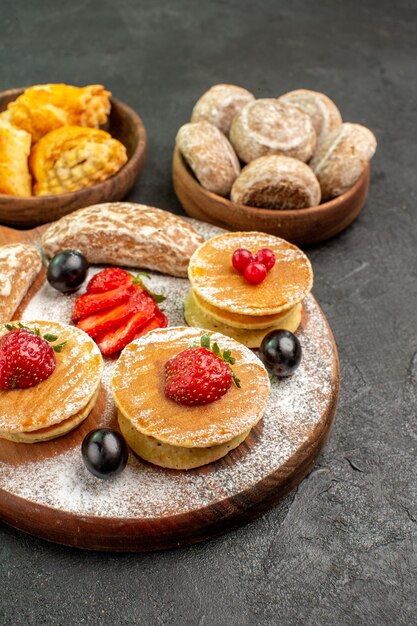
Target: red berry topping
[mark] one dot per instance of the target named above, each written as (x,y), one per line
(255,273)
(199,375)
(116,309)
(266,257)
(109,279)
(26,358)
(241,259)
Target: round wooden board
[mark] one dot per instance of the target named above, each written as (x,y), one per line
(45,489)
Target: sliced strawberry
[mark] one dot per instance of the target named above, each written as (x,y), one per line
(159,320)
(139,302)
(90,303)
(117,339)
(109,279)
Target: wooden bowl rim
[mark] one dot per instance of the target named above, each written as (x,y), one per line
(281,214)
(130,165)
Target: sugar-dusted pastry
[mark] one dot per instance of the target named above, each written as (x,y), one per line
(210,155)
(342,157)
(220,104)
(15,179)
(276,182)
(267,126)
(64,395)
(73,157)
(161,419)
(323,112)
(223,300)
(19,266)
(125,233)
(43,108)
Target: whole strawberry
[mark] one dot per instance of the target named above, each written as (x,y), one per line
(26,358)
(199,375)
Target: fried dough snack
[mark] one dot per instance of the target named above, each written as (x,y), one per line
(72,157)
(43,108)
(15,145)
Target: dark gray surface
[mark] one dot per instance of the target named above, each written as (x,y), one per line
(342,548)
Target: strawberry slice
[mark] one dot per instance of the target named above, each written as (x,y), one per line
(90,303)
(159,320)
(117,339)
(109,279)
(139,302)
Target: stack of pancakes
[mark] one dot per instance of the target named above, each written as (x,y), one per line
(61,402)
(222,300)
(170,434)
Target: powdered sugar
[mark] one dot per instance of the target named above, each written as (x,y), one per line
(295,406)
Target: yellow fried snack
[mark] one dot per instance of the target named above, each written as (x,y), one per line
(15,179)
(43,108)
(72,158)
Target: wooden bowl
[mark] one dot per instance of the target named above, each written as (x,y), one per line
(124,125)
(300,226)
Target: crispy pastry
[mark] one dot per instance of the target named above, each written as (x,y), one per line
(276,182)
(43,108)
(267,126)
(15,179)
(342,157)
(323,112)
(72,158)
(19,266)
(220,104)
(124,233)
(210,155)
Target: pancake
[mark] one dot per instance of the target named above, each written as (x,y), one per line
(237,320)
(216,282)
(51,432)
(138,389)
(67,393)
(174,457)
(195,315)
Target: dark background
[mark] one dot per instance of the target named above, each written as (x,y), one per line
(341,549)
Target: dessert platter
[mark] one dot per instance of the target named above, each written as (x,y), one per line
(288,166)
(64,147)
(187,381)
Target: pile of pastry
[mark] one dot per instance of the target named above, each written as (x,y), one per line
(290,152)
(51,141)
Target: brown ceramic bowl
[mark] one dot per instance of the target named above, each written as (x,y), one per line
(300,226)
(126,126)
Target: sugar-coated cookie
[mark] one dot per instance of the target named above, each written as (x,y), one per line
(267,126)
(276,182)
(342,157)
(220,104)
(323,112)
(210,155)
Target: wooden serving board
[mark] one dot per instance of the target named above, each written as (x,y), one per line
(45,489)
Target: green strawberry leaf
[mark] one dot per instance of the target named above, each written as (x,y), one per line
(215,349)
(138,281)
(58,347)
(10,327)
(50,338)
(205,341)
(236,380)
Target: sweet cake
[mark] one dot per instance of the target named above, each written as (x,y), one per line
(222,300)
(182,433)
(52,402)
